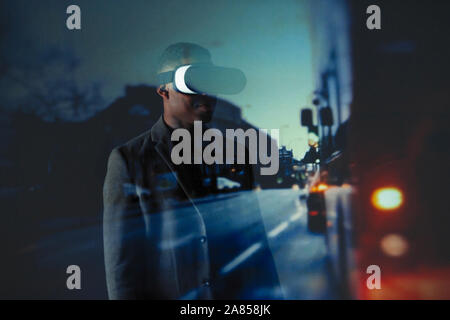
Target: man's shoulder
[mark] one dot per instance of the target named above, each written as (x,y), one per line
(135,146)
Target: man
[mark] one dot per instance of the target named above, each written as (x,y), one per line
(157,242)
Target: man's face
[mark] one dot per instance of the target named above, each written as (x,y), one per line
(189,108)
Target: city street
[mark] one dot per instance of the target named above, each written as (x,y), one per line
(300,255)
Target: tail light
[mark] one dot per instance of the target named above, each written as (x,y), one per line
(319,188)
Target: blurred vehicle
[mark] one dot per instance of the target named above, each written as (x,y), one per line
(381,101)
(316,208)
(227,184)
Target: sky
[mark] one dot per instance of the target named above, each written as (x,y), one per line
(120,41)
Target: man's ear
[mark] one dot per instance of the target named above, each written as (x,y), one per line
(162,91)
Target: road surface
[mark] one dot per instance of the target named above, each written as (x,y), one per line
(300,256)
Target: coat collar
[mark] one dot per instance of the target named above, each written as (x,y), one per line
(160,136)
(160,133)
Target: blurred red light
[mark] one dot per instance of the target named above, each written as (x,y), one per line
(387,198)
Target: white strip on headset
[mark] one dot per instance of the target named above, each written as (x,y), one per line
(179,80)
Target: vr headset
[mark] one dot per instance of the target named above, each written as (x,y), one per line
(204,79)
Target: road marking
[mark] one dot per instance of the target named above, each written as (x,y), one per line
(296,216)
(278,229)
(256,246)
(241,258)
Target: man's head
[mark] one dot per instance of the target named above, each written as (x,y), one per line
(180,109)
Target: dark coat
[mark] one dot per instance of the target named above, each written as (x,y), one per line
(156,240)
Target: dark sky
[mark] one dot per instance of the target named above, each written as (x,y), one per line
(120,41)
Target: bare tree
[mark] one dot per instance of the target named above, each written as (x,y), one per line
(46,85)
